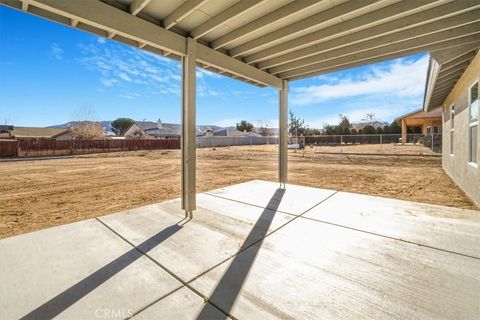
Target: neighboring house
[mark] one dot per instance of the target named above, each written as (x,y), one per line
(33,133)
(206,130)
(153,130)
(230,132)
(428,122)
(6,130)
(453,88)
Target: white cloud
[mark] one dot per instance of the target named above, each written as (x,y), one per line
(124,76)
(108,82)
(202,72)
(140,72)
(402,78)
(56,52)
(203,89)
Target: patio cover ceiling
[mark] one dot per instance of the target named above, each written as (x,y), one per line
(265,41)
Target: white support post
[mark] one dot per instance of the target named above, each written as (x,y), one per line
(189,129)
(283,134)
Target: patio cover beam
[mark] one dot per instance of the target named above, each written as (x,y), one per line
(181,12)
(423,41)
(336,29)
(105,17)
(446,55)
(189,131)
(224,16)
(300,26)
(137,6)
(394,51)
(262,22)
(357,41)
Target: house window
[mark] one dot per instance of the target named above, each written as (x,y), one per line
(429,130)
(473,124)
(452,129)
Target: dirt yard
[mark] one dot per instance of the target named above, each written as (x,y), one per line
(384,149)
(43,193)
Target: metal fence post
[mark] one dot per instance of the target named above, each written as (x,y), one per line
(341,143)
(381,141)
(432,142)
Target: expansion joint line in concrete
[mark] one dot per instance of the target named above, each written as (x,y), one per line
(184,284)
(187,283)
(351,228)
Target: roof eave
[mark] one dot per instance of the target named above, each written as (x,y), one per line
(432,75)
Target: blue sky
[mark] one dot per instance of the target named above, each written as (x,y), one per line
(51,74)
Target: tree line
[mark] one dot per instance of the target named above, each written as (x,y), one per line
(344,127)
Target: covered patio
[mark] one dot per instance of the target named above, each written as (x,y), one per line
(269,43)
(258,249)
(253,251)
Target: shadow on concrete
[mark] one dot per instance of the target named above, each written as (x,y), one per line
(67,298)
(229,286)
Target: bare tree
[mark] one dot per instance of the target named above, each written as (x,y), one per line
(86,130)
(296,125)
(370,117)
(263,129)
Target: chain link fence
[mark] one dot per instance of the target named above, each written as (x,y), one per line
(415,144)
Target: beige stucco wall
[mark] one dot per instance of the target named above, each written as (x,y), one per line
(430,124)
(466,175)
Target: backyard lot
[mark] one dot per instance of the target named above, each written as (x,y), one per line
(36,194)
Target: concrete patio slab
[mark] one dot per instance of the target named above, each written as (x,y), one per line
(76,271)
(312,270)
(330,256)
(220,228)
(444,228)
(296,200)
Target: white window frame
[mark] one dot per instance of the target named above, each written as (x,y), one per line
(472,124)
(451,109)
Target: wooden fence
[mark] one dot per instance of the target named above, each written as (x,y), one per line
(8,149)
(42,148)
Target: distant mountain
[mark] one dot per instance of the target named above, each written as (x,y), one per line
(107,127)
(205,127)
(375,124)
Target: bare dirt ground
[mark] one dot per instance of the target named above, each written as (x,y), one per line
(42,193)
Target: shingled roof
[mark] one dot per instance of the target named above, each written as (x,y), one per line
(36,133)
